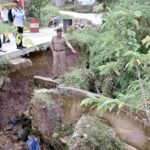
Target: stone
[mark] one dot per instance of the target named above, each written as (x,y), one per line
(82,24)
(19,64)
(2,80)
(68,98)
(128,147)
(23,134)
(6,143)
(8,128)
(91,133)
(128,131)
(46,115)
(44,82)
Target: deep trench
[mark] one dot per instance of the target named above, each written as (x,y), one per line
(15,96)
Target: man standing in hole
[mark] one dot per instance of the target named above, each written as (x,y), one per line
(58,47)
(18,15)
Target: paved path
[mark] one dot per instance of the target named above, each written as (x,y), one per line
(41,40)
(95,18)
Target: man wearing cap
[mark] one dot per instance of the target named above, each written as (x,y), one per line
(58,47)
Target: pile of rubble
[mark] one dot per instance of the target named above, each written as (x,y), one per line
(83,24)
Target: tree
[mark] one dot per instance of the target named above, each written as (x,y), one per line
(120,54)
(38,5)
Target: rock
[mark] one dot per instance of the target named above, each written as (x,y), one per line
(2,79)
(4,82)
(45,82)
(8,128)
(91,133)
(68,98)
(128,147)
(128,131)
(23,134)
(6,143)
(19,64)
(46,115)
(82,23)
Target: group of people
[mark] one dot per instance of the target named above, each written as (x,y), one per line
(16,16)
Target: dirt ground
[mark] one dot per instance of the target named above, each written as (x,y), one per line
(16,96)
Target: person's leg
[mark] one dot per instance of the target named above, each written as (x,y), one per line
(55,64)
(0,43)
(19,37)
(1,50)
(62,58)
(4,38)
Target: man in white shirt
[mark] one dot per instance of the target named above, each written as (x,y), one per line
(4,15)
(18,14)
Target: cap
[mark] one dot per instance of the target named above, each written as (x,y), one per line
(59,30)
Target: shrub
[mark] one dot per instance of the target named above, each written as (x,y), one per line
(51,10)
(77,78)
(97,136)
(116,50)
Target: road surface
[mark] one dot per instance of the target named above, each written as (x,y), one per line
(95,18)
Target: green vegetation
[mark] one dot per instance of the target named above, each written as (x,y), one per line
(4,65)
(38,5)
(42,97)
(78,78)
(6,28)
(97,136)
(118,52)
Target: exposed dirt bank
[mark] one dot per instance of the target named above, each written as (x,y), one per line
(16,95)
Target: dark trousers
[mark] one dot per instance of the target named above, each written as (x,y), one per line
(19,36)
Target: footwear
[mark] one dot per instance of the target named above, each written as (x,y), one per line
(21,47)
(2,50)
(7,41)
(24,47)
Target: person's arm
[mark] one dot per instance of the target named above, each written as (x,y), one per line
(69,45)
(2,15)
(52,44)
